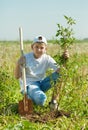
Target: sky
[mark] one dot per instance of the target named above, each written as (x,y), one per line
(41,17)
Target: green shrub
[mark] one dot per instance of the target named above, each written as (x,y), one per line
(9,88)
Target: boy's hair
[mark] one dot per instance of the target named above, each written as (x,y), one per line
(40,39)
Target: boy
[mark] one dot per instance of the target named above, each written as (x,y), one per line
(37,62)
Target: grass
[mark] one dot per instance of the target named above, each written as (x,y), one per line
(73,95)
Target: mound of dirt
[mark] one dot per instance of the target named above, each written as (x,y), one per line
(43,118)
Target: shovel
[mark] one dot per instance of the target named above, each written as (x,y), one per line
(25,106)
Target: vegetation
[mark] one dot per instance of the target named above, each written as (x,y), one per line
(65,34)
(73,95)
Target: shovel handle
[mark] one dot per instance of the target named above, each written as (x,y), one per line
(22,53)
(21,40)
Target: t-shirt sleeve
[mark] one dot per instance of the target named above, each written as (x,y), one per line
(52,63)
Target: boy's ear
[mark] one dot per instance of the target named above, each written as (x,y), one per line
(32,46)
(46,47)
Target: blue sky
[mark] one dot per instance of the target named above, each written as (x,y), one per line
(41,17)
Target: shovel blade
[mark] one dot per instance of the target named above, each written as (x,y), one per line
(25,106)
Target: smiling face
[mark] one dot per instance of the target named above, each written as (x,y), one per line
(39,49)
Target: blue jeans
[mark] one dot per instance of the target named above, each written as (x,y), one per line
(36,90)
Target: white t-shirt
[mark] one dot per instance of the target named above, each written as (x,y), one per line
(36,68)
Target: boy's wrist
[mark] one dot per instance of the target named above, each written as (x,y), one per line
(58,70)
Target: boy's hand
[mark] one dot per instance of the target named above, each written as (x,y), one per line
(66,54)
(22,61)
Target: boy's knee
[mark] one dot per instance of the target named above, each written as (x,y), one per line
(38,97)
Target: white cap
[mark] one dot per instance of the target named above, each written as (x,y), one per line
(40,39)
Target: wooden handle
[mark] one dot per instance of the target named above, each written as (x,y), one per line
(22,53)
(21,40)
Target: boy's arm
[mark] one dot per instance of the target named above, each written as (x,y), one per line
(58,70)
(18,72)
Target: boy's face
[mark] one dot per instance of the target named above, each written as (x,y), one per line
(39,49)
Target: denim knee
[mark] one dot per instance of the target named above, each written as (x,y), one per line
(37,96)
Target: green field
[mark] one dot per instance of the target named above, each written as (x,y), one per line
(73,95)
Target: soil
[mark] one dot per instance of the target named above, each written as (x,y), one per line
(43,118)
